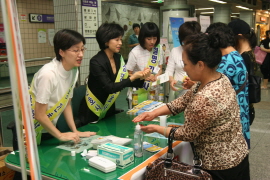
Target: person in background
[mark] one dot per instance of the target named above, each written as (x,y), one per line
(246,41)
(148,54)
(175,67)
(107,75)
(212,116)
(233,66)
(265,67)
(133,39)
(51,89)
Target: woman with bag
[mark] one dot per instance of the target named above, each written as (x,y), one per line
(265,67)
(246,41)
(212,118)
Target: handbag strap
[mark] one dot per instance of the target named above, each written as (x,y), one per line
(243,85)
(170,155)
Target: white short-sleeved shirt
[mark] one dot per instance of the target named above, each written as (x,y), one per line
(52,82)
(175,67)
(138,58)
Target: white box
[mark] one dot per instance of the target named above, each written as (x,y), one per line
(121,155)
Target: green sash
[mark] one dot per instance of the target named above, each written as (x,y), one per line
(95,105)
(152,63)
(54,111)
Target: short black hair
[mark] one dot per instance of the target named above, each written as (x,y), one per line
(135,25)
(148,29)
(188,28)
(200,47)
(64,39)
(239,26)
(222,33)
(106,32)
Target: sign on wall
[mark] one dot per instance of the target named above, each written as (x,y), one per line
(89,18)
(175,24)
(41,18)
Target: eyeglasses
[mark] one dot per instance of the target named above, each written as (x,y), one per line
(78,50)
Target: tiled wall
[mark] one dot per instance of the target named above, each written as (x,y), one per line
(29,31)
(65,17)
(126,15)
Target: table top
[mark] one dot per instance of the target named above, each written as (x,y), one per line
(59,164)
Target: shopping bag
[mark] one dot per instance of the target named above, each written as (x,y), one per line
(259,55)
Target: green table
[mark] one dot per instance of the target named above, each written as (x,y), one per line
(59,164)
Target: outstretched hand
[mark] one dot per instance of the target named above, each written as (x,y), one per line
(146,116)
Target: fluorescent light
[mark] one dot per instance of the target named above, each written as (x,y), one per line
(204,8)
(159,1)
(207,12)
(235,16)
(217,1)
(235,13)
(242,7)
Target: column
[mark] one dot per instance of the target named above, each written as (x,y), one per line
(248,17)
(222,13)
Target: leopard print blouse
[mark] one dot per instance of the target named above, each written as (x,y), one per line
(212,122)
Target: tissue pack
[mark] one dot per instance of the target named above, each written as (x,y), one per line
(121,155)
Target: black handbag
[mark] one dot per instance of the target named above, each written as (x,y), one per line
(170,169)
(254,89)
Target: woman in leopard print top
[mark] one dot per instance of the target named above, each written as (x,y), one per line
(212,115)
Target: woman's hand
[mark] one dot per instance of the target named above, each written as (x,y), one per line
(146,116)
(188,83)
(140,74)
(150,128)
(172,83)
(85,134)
(69,136)
(146,73)
(151,78)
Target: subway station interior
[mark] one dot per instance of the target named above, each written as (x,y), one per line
(36,38)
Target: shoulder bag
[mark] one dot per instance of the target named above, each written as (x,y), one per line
(259,55)
(170,169)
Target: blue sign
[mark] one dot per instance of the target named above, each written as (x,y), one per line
(41,18)
(175,24)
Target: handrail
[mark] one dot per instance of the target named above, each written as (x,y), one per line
(27,60)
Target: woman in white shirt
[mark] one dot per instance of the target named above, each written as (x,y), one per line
(175,67)
(52,88)
(148,54)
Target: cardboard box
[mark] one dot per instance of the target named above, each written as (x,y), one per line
(5,173)
(121,155)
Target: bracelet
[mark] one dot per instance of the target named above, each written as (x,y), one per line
(165,131)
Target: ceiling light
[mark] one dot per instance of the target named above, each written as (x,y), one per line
(204,8)
(235,16)
(158,1)
(217,1)
(207,12)
(235,13)
(242,7)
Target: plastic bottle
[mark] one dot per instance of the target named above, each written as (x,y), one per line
(134,97)
(138,141)
(161,94)
(152,93)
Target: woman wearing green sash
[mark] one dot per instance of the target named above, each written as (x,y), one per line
(108,75)
(52,88)
(147,54)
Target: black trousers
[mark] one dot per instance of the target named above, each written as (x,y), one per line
(240,172)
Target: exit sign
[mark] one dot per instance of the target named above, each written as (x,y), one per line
(41,18)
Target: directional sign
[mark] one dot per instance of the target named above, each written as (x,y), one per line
(41,18)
